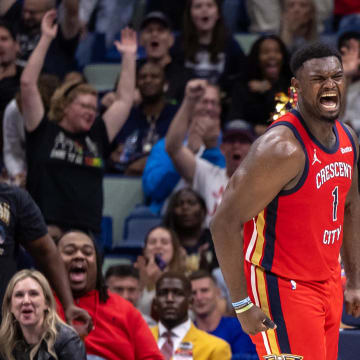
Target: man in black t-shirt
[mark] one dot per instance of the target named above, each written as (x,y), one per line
(26,18)
(21,223)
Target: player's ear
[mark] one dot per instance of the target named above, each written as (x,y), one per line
(295,83)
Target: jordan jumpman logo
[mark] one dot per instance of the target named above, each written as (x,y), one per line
(315,159)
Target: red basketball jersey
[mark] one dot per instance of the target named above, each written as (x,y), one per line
(299,234)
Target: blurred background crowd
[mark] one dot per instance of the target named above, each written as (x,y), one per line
(100,125)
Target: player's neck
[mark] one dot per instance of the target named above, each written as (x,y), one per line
(322,130)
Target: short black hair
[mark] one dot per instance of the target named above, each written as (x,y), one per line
(6,25)
(254,68)
(316,50)
(175,275)
(123,270)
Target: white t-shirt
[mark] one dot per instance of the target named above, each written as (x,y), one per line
(210,182)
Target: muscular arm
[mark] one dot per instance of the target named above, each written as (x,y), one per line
(351,244)
(274,162)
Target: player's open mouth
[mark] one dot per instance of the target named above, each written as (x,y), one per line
(329,100)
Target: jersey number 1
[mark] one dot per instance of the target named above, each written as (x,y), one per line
(335,202)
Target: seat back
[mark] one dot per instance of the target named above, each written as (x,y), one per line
(138,223)
(102,76)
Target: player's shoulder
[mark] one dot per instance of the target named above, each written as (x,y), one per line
(351,132)
(279,142)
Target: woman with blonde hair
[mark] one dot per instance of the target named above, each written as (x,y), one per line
(67,147)
(31,328)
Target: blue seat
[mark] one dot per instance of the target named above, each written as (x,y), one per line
(349,344)
(137,224)
(106,232)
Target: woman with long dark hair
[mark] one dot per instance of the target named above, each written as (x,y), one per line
(185,215)
(205,47)
(267,74)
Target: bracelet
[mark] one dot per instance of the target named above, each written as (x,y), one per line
(241,303)
(245,308)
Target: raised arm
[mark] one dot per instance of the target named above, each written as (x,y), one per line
(351,245)
(14,152)
(70,25)
(274,162)
(32,106)
(118,112)
(182,157)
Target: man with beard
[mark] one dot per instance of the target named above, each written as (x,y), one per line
(26,18)
(147,123)
(176,334)
(119,331)
(297,194)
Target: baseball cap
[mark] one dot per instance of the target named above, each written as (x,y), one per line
(157,16)
(238,129)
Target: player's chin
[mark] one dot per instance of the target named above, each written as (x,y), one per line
(330,117)
(328,114)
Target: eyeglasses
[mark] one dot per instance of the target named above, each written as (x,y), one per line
(86,106)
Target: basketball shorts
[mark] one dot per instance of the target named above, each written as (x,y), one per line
(307,315)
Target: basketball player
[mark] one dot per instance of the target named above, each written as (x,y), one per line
(297,195)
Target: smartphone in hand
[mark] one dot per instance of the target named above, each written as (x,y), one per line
(160,262)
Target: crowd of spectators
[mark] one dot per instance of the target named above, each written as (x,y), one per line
(184,109)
